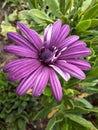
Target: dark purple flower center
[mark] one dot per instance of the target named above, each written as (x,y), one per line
(48,56)
(45,54)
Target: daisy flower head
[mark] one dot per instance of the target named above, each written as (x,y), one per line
(39,61)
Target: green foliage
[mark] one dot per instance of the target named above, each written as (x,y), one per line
(15,112)
(33,3)
(91,13)
(14,3)
(37,15)
(53,6)
(18,112)
(81,25)
(78,119)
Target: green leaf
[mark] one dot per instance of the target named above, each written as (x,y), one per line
(96,62)
(95,39)
(33,3)
(94,22)
(6,19)
(86,4)
(78,119)
(96,49)
(75,126)
(93,73)
(10,118)
(25,118)
(65,5)
(2,114)
(62,6)
(37,15)
(83,25)
(88,84)
(47,91)
(54,7)
(5,28)
(91,13)
(4,3)
(86,103)
(52,122)
(42,113)
(21,124)
(81,110)
(68,4)
(92,90)
(13,16)
(40,15)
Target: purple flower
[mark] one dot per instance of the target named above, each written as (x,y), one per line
(39,60)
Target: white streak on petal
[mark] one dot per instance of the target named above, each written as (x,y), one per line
(65,75)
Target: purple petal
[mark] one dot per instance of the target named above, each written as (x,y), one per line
(47,34)
(82,64)
(65,29)
(31,35)
(68,41)
(12,65)
(20,51)
(55,85)
(28,82)
(41,82)
(55,31)
(78,44)
(75,53)
(65,75)
(22,71)
(20,40)
(71,69)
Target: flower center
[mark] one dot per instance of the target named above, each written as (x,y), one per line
(45,54)
(48,56)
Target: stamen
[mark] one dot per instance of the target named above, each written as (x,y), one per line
(63,49)
(48,56)
(61,52)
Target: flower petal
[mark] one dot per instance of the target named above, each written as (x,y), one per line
(47,34)
(65,75)
(68,41)
(55,85)
(65,29)
(28,82)
(20,40)
(77,44)
(22,71)
(40,83)
(82,64)
(20,51)
(55,32)
(31,35)
(75,53)
(12,65)
(71,69)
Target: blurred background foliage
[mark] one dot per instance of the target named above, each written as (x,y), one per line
(78,109)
